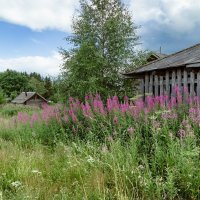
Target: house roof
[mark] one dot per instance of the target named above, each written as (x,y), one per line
(25,96)
(155,56)
(189,57)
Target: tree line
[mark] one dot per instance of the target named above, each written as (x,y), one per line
(12,83)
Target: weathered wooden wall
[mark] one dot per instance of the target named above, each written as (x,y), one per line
(163,83)
(35,101)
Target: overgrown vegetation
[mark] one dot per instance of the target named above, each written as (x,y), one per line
(95,151)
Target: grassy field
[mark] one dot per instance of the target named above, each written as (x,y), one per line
(99,154)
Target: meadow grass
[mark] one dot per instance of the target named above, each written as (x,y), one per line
(102,154)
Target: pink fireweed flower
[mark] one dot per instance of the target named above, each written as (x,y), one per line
(101,107)
(49,113)
(126,98)
(113,103)
(34,118)
(98,107)
(73,116)
(23,117)
(109,104)
(157,100)
(179,98)
(78,103)
(172,103)
(71,99)
(97,97)
(86,109)
(124,107)
(150,102)
(87,97)
(161,100)
(139,104)
(176,89)
(185,89)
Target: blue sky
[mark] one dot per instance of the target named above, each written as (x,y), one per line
(32,31)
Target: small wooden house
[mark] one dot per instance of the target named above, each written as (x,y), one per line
(30,98)
(161,75)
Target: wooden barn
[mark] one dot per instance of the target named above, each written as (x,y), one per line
(161,75)
(30,98)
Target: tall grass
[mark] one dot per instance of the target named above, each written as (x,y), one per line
(91,150)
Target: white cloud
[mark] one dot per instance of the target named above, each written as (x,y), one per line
(43,65)
(178,15)
(181,16)
(39,14)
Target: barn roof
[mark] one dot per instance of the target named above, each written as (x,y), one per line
(25,96)
(189,57)
(154,56)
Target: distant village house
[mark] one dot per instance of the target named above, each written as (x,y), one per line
(30,98)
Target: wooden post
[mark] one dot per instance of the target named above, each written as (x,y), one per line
(185,85)
(146,83)
(173,82)
(179,78)
(192,84)
(142,86)
(156,85)
(167,84)
(151,84)
(161,85)
(198,84)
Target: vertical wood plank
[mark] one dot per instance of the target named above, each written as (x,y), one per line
(185,85)
(161,86)
(167,84)
(173,82)
(198,84)
(142,86)
(179,78)
(192,84)
(146,83)
(156,85)
(151,84)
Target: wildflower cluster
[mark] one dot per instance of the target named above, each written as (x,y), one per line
(125,116)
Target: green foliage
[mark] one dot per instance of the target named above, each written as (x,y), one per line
(13,82)
(104,40)
(37,86)
(2,97)
(48,85)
